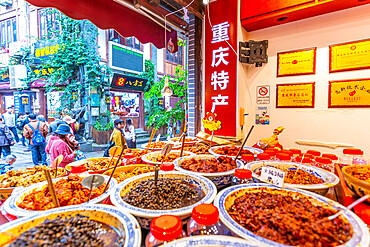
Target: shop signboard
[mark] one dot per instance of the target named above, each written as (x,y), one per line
(221,62)
(43,50)
(129,83)
(125,58)
(4,77)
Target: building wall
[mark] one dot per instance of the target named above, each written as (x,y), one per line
(350,126)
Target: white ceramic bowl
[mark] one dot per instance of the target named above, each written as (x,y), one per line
(330,179)
(255,151)
(189,140)
(175,146)
(125,224)
(220,179)
(147,158)
(144,216)
(11,207)
(211,241)
(226,197)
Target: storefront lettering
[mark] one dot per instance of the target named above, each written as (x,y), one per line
(220,32)
(220,79)
(219,55)
(219,100)
(46,51)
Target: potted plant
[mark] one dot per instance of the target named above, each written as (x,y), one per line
(101,132)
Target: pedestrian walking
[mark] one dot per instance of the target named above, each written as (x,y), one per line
(54,125)
(6,165)
(71,122)
(117,137)
(9,119)
(129,132)
(36,132)
(6,138)
(58,145)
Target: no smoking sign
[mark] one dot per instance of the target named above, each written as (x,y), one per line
(263,95)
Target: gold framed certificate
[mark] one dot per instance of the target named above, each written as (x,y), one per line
(349,56)
(298,62)
(295,95)
(349,93)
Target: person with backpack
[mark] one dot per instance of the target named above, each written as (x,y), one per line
(36,132)
(6,138)
(117,137)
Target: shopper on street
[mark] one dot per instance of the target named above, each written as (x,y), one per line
(117,137)
(58,145)
(6,138)
(36,132)
(129,132)
(71,122)
(7,164)
(9,119)
(54,125)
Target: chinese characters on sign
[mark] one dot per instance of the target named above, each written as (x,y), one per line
(221,65)
(128,82)
(295,95)
(273,176)
(43,50)
(300,62)
(349,93)
(349,56)
(42,71)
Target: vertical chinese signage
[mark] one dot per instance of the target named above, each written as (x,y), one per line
(221,79)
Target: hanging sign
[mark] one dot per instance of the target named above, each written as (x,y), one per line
(221,79)
(349,56)
(295,95)
(263,95)
(299,62)
(349,93)
(129,83)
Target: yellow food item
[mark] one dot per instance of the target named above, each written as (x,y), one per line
(137,171)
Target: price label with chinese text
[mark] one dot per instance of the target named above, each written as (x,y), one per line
(273,176)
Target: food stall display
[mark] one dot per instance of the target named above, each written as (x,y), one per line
(232,150)
(204,149)
(125,172)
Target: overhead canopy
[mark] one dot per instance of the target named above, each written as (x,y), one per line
(108,14)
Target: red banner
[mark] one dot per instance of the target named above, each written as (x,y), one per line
(221,78)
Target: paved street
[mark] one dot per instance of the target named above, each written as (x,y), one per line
(24,159)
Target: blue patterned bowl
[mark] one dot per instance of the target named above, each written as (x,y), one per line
(211,241)
(330,179)
(255,151)
(11,207)
(144,216)
(220,179)
(125,224)
(226,198)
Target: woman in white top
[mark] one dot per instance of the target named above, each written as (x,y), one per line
(129,132)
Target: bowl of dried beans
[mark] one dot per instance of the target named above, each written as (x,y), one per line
(297,175)
(357,178)
(232,150)
(176,193)
(88,225)
(69,191)
(156,158)
(219,169)
(273,216)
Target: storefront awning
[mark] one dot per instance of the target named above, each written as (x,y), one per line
(108,14)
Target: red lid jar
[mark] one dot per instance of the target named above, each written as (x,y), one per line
(205,214)
(353,151)
(324,163)
(314,152)
(330,156)
(166,227)
(263,156)
(78,169)
(167,167)
(295,151)
(247,157)
(283,156)
(243,173)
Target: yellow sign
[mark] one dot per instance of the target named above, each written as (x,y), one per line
(349,93)
(350,56)
(46,51)
(24,100)
(300,62)
(295,95)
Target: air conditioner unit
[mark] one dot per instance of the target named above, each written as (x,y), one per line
(17,76)
(6,2)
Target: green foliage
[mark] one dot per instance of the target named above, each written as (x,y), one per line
(100,127)
(158,116)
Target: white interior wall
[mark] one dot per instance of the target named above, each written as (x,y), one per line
(342,125)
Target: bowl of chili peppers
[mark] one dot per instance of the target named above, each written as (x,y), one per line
(232,150)
(157,146)
(156,158)
(273,216)
(297,175)
(88,225)
(69,191)
(357,178)
(219,169)
(175,193)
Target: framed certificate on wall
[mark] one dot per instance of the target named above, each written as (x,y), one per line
(295,95)
(349,93)
(349,56)
(298,62)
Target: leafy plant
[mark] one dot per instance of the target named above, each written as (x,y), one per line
(99,126)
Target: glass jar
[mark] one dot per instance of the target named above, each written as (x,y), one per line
(167,167)
(247,158)
(242,176)
(205,221)
(333,157)
(130,158)
(287,152)
(283,156)
(163,229)
(315,153)
(295,152)
(352,156)
(263,156)
(272,152)
(324,163)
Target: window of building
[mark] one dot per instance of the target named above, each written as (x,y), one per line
(48,23)
(8,32)
(129,41)
(176,57)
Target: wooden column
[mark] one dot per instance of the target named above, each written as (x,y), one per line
(141,111)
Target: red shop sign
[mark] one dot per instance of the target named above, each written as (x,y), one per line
(221,78)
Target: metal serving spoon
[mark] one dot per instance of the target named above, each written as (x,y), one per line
(349,207)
